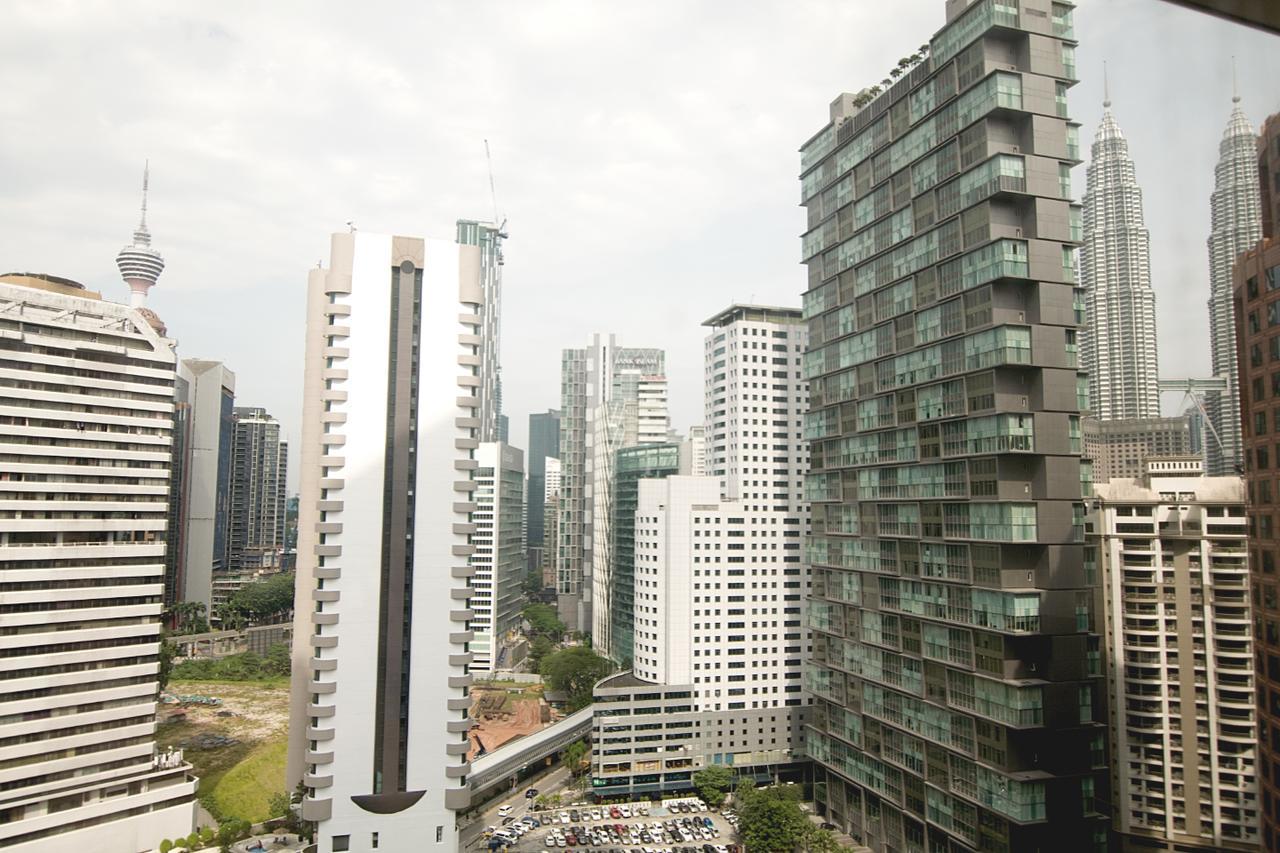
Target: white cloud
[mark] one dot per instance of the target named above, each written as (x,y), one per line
(645,154)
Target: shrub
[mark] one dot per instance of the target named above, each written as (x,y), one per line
(166,846)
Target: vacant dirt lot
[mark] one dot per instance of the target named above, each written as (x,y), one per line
(250,724)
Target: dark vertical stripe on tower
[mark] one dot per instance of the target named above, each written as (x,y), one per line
(394,616)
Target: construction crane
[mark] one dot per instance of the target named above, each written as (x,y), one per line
(1195,389)
(493,193)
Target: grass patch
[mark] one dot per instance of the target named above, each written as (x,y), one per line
(244,790)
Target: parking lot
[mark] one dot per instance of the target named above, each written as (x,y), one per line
(683,825)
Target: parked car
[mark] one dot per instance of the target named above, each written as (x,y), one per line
(531,793)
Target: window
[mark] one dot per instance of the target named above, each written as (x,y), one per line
(341,843)
(374,841)
(439,833)
(1252,287)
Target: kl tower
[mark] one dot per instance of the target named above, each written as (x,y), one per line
(140,265)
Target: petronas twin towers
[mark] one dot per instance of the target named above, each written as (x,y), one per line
(1236,226)
(1118,344)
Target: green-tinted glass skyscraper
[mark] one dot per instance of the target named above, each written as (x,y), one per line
(955,666)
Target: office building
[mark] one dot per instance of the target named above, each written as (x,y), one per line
(1120,448)
(712,567)
(175,559)
(1236,226)
(551,522)
(259,471)
(1169,547)
(754,400)
(488,237)
(590,378)
(718,646)
(635,416)
(1269,175)
(614,630)
(955,664)
(1118,341)
(209,403)
(697,441)
(498,561)
(1257,320)
(544,441)
(391,414)
(86,414)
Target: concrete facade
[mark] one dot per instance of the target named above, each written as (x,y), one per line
(1120,448)
(1257,321)
(86,414)
(393,346)
(1170,549)
(497,585)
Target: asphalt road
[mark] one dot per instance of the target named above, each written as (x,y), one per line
(469,836)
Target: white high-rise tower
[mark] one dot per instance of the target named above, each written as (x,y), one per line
(1118,341)
(1236,214)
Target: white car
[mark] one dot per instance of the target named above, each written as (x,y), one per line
(564,817)
(504,811)
(625,811)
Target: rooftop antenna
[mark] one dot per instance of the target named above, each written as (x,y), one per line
(1106,86)
(1235,83)
(146,181)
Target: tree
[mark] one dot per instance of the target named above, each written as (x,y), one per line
(165,846)
(574,756)
(189,617)
(712,782)
(278,805)
(575,671)
(539,649)
(193,841)
(231,831)
(770,818)
(167,653)
(258,601)
(277,661)
(543,620)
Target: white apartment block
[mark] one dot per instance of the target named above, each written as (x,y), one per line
(498,560)
(86,415)
(379,706)
(1171,547)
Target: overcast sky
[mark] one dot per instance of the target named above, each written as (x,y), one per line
(644,155)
